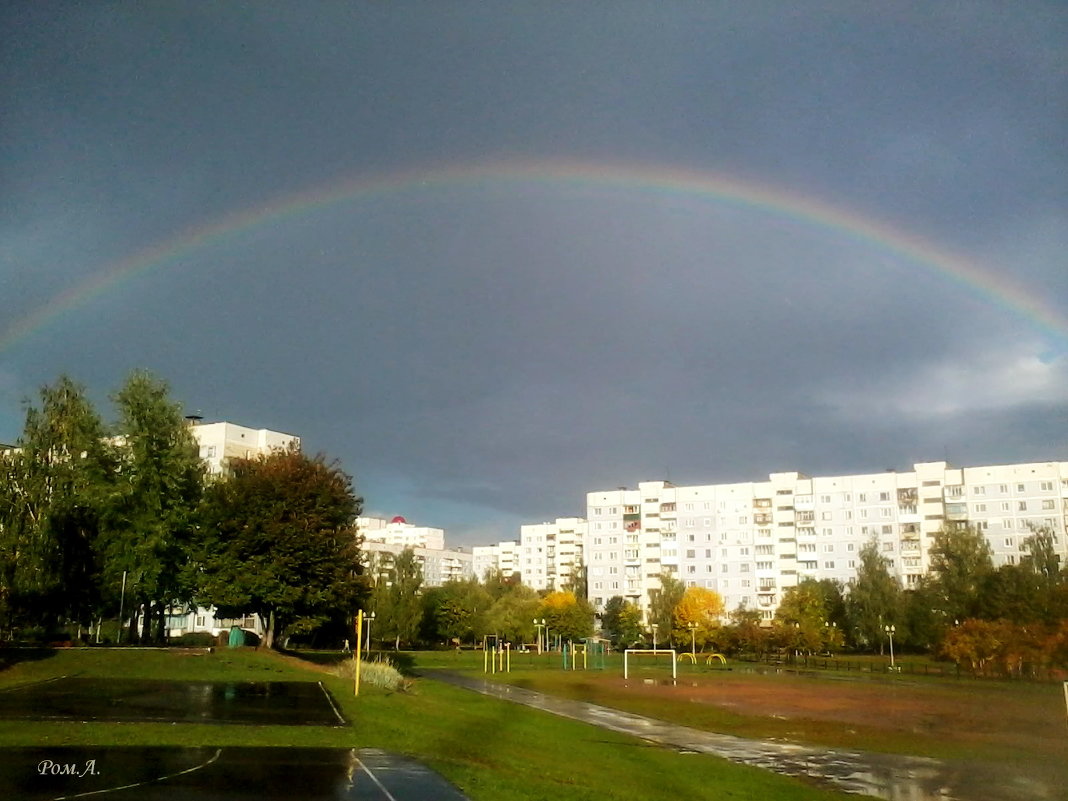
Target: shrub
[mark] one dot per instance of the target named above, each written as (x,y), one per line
(379,673)
(195,638)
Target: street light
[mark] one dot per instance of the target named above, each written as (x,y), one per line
(539,625)
(890,633)
(655,627)
(693,639)
(370,620)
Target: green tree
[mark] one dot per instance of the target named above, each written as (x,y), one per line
(960,563)
(874,601)
(511,616)
(662,603)
(455,611)
(396,599)
(278,538)
(51,492)
(808,608)
(745,634)
(151,514)
(621,622)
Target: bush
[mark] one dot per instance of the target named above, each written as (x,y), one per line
(379,673)
(195,638)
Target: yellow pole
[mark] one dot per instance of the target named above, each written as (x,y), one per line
(485,652)
(356,652)
(509,652)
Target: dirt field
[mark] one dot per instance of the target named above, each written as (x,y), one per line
(1021,719)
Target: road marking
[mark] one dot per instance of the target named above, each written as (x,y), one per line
(215,756)
(330,698)
(389,796)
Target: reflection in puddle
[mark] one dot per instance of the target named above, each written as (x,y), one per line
(889,776)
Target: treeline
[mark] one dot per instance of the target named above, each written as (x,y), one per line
(99,517)
(463,612)
(1011,620)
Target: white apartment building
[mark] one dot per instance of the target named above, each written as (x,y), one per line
(750,541)
(503,556)
(549,552)
(220,442)
(399,531)
(440,565)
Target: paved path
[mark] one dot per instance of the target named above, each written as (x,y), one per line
(881,775)
(144,773)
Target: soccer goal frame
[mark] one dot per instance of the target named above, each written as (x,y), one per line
(654,652)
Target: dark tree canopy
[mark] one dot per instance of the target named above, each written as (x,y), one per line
(278,538)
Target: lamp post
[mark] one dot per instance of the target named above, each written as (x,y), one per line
(693,639)
(539,625)
(831,630)
(890,633)
(370,619)
(654,627)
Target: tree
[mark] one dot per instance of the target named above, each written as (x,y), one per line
(745,634)
(808,607)
(51,492)
(456,610)
(278,538)
(960,561)
(621,622)
(151,513)
(697,617)
(662,603)
(566,615)
(874,601)
(396,599)
(511,616)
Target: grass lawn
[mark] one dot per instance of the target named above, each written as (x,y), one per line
(490,749)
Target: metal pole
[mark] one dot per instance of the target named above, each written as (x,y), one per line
(356,653)
(122,599)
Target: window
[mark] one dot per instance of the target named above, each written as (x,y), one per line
(980,507)
(825,499)
(888,547)
(887,512)
(849,547)
(1047,504)
(708,553)
(723,568)
(1022,506)
(1004,506)
(827,516)
(884,496)
(1009,542)
(828,565)
(690,553)
(691,568)
(828,547)
(744,568)
(979,490)
(1047,486)
(1019,487)
(888,529)
(863,497)
(1003,488)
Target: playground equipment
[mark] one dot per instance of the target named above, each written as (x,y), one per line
(496,658)
(589,647)
(654,652)
(722,659)
(691,657)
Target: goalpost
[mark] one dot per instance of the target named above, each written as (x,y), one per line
(654,652)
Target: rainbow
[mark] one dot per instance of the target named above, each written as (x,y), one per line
(654,180)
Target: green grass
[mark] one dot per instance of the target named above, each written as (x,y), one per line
(490,749)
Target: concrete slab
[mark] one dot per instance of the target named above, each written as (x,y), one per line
(288,703)
(217,774)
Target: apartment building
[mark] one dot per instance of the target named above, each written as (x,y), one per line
(504,556)
(398,531)
(750,541)
(439,565)
(550,552)
(222,441)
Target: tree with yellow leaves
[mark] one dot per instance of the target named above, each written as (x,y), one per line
(567,616)
(696,619)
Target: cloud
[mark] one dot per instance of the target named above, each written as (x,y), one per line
(992,379)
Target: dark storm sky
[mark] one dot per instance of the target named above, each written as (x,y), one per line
(481,353)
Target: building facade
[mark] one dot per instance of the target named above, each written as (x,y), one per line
(398,531)
(220,442)
(750,541)
(549,553)
(439,565)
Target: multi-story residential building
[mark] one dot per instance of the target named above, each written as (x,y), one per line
(750,541)
(399,531)
(504,556)
(550,552)
(440,565)
(220,442)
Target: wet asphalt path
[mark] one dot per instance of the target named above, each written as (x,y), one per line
(217,774)
(886,776)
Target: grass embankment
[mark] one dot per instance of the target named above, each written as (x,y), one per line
(490,749)
(948,718)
